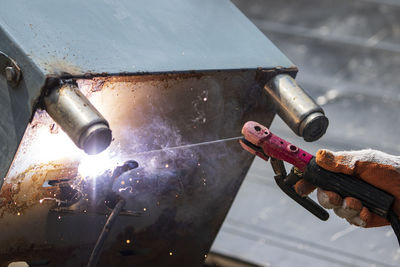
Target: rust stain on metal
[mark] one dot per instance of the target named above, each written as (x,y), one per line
(164,81)
(97,82)
(264,75)
(26,189)
(61,68)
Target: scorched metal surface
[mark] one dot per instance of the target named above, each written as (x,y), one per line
(176,199)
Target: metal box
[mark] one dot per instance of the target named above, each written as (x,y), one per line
(172,78)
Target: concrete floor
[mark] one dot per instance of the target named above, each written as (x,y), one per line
(348,53)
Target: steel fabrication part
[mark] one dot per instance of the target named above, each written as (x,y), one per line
(177,189)
(300,112)
(10,69)
(49,49)
(197,84)
(78,118)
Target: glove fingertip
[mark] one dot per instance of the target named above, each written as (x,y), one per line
(326,159)
(358,221)
(373,220)
(328,199)
(353,203)
(365,215)
(334,161)
(303,188)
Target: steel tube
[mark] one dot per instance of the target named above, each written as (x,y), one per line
(300,112)
(78,118)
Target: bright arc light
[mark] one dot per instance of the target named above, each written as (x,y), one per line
(93,165)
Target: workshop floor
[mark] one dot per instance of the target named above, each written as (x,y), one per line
(348,53)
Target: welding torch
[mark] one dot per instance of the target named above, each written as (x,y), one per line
(259,141)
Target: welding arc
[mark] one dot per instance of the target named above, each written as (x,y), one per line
(188,146)
(94,257)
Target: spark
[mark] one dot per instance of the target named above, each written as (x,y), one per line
(170,253)
(144,209)
(18,213)
(59,217)
(166,165)
(50,198)
(128,241)
(126,188)
(205,99)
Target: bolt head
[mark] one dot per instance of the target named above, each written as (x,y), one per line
(10,74)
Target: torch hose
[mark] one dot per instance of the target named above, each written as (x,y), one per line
(94,257)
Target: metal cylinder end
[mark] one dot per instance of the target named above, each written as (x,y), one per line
(300,112)
(95,139)
(313,126)
(79,119)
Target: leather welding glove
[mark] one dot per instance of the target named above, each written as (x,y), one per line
(377,168)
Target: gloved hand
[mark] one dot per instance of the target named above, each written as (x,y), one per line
(377,168)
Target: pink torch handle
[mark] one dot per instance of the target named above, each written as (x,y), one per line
(279,148)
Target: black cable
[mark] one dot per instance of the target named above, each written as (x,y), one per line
(94,257)
(395,222)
